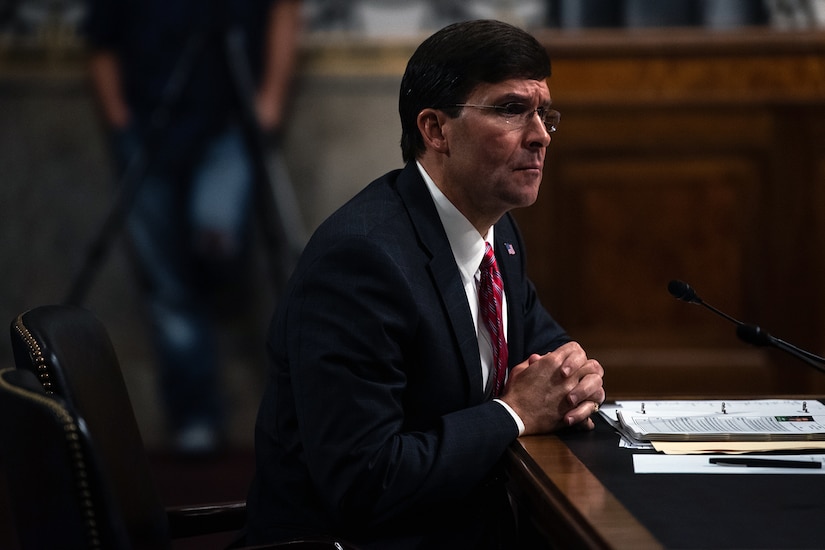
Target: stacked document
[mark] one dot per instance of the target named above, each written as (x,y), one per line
(717,420)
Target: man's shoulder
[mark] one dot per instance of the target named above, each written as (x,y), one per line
(379,203)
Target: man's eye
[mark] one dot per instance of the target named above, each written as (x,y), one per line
(513,109)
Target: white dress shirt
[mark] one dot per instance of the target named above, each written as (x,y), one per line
(468,248)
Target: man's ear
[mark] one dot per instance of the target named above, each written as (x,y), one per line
(431,125)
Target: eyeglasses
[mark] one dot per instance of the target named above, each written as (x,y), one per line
(520,115)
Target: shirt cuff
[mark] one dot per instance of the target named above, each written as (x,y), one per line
(516,417)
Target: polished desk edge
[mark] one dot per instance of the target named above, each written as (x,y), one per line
(566,502)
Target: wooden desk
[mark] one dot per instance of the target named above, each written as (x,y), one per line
(579,491)
(568,504)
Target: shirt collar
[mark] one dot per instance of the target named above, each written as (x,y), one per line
(465,241)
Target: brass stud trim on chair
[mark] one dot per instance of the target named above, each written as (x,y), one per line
(79,465)
(43,373)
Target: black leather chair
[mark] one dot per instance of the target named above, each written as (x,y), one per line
(77,469)
(59,495)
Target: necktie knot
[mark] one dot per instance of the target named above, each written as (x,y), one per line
(489,259)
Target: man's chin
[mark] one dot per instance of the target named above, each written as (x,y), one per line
(524,200)
(528,193)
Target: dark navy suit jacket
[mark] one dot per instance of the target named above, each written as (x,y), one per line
(374,424)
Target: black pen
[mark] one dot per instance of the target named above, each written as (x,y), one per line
(766,463)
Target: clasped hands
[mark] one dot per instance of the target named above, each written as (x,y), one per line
(557,390)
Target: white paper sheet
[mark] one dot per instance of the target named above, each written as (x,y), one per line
(700,464)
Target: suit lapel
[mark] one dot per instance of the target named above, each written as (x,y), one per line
(442,266)
(510,260)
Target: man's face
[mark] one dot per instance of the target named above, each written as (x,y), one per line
(495,162)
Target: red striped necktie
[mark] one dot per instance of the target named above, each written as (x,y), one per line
(490,297)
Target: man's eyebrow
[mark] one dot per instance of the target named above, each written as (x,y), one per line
(516,97)
(513,96)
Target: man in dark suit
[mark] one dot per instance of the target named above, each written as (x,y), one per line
(381,420)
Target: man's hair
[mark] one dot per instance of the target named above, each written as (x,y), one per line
(448,66)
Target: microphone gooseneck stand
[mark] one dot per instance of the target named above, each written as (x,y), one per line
(750,334)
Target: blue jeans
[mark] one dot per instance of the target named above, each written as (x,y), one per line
(189,227)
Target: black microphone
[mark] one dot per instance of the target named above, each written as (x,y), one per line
(750,334)
(683,291)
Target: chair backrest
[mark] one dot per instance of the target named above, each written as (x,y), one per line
(69,351)
(58,497)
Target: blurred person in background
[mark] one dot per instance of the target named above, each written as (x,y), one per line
(165,84)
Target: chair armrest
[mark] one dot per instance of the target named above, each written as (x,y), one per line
(206,519)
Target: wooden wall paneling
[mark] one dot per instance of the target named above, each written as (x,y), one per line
(628,215)
(791,291)
(632,226)
(817,303)
(687,156)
